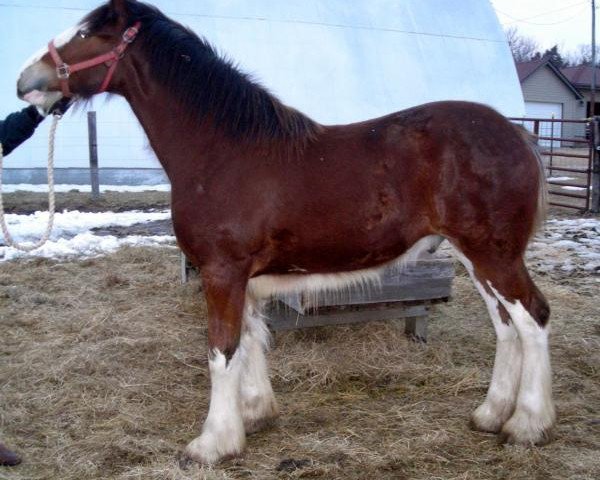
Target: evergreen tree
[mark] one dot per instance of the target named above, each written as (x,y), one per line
(555,57)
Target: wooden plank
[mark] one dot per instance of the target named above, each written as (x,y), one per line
(404,293)
(184,270)
(281,318)
(425,280)
(187,269)
(416,328)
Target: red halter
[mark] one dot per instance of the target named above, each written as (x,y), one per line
(111,59)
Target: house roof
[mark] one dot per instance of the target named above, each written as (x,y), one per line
(581,75)
(526,69)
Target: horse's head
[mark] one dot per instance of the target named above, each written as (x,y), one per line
(81,61)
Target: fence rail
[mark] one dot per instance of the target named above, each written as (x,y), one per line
(567,146)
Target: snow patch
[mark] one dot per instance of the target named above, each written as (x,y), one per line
(559,179)
(72,236)
(567,245)
(86,245)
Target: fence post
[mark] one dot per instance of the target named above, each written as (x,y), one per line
(596,166)
(93,144)
(551,146)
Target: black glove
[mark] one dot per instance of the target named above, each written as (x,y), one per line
(60,107)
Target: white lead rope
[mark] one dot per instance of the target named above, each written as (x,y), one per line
(7,236)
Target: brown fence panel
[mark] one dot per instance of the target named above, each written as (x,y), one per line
(567,148)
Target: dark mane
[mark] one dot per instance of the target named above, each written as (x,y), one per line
(208,85)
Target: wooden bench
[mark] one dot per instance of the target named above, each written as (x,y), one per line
(406,293)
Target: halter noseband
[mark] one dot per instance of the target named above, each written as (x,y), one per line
(111,59)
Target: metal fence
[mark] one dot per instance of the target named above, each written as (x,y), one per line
(568,149)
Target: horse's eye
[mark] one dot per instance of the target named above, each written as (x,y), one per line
(83,33)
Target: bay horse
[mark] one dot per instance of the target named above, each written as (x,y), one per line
(265,200)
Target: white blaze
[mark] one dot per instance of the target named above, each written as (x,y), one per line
(59,41)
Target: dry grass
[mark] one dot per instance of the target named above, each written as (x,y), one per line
(103,376)
(29,202)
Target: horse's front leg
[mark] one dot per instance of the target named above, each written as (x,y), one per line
(223,434)
(259,407)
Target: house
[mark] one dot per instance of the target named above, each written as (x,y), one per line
(581,77)
(549,93)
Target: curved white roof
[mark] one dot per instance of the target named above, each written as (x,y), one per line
(336,60)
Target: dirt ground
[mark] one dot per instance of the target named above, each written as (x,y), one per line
(103,375)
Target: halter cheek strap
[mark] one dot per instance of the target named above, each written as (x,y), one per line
(110,59)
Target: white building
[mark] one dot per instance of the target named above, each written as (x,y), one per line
(339,61)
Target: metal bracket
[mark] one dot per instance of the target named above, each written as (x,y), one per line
(63,71)
(130,34)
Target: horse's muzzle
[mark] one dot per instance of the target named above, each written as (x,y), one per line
(33,83)
(37,76)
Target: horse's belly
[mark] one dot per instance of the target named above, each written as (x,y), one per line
(296,280)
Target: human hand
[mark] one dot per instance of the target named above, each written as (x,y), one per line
(60,107)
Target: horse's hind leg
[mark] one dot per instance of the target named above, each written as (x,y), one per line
(259,407)
(501,397)
(534,414)
(509,281)
(223,432)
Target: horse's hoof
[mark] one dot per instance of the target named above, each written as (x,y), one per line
(538,440)
(259,414)
(514,433)
(184,462)
(485,424)
(259,425)
(477,426)
(490,420)
(187,459)
(209,449)
(8,458)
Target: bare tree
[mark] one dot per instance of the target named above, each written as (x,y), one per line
(581,56)
(523,48)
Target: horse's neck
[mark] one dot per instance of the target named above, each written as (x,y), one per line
(174,140)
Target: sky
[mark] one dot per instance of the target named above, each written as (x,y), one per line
(566,23)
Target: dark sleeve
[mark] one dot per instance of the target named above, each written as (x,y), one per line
(18,127)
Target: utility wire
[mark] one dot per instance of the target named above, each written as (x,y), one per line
(558,22)
(526,19)
(47,7)
(294,22)
(80,9)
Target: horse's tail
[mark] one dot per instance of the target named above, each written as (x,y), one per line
(542,200)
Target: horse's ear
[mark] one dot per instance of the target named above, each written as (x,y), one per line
(119,6)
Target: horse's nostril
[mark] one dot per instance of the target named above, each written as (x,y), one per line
(27,84)
(20,92)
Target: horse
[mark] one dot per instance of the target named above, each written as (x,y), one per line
(266,200)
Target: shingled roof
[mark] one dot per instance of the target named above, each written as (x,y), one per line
(526,69)
(581,75)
